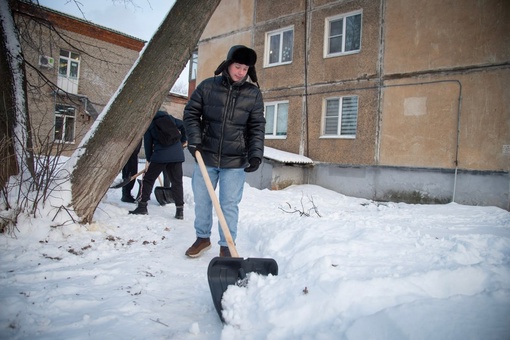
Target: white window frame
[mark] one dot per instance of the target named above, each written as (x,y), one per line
(340,118)
(267,52)
(69,62)
(327,23)
(66,120)
(274,134)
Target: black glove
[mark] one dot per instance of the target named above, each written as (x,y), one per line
(193,148)
(254,165)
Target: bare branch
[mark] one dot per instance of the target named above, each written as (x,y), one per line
(302,211)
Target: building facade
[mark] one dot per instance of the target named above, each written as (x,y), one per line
(392,100)
(73,68)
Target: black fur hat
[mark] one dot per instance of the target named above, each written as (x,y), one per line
(242,55)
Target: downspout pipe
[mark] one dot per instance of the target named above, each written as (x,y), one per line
(304,147)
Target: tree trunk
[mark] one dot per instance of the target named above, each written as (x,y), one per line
(121,125)
(16,157)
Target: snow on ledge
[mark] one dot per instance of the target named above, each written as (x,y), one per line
(285,157)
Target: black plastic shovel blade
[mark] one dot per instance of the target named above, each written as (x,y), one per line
(163,195)
(225,271)
(124,182)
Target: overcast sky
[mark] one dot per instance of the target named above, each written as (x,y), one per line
(138,18)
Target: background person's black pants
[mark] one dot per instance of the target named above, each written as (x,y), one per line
(174,172)
(129,169)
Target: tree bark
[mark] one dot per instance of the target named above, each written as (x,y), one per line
(121,125)
(16,154)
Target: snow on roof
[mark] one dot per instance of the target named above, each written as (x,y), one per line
(285,157)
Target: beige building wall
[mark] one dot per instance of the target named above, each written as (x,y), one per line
(484,142)
(419,123)
(465,49)
(441,34)
(351,67)
(230,25)
(212,52)
(311,78)
(431,78)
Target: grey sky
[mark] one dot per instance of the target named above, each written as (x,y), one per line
(138,18)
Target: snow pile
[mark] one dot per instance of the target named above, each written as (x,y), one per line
(348,269)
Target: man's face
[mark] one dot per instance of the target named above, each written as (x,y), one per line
(237,71)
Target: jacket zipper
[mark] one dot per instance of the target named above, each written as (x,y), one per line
(228,114)
(225,115)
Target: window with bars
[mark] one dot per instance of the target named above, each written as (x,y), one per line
(343,34)
(279,47)
(276,114)
(65,123)
(340,117)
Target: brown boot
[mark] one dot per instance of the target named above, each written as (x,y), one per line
(225,252)
(200,245)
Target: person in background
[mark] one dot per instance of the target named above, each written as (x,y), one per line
(224,121)
(129,169)
(163,156)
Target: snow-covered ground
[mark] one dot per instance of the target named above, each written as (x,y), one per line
(352,269)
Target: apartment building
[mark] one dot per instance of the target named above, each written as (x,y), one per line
(392,100)
(73,68)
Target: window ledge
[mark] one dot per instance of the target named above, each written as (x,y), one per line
(277,64)
(337,137)
(275,137)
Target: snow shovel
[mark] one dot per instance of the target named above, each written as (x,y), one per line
(127,180)
(225,271)
(163,195)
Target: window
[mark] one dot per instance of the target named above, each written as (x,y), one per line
(68,71)
(343,35)
(279,46)
(68,64)
(276,114)
(340,117)
(65,118)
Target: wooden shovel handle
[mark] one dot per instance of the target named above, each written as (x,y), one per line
(137,174)
(217,207)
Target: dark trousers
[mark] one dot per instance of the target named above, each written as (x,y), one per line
(174,173)
(130,169)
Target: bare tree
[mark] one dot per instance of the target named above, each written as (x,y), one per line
(15,141)
(104,150)
(122,124)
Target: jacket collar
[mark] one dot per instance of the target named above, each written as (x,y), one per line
(229,82)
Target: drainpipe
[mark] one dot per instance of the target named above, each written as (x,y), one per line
(459,105)
(380,85)
(305,136)
(86,105)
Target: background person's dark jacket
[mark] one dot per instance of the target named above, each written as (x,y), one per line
(158,153)
(227,120)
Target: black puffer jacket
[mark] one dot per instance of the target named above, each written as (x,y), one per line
(227,120)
